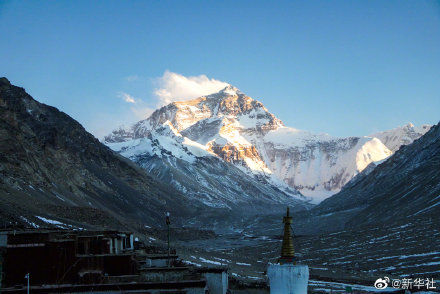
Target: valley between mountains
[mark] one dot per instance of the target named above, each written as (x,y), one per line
(226,168)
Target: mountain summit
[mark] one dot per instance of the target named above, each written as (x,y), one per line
(239,130)
(229,103)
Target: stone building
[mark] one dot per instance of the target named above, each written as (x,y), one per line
(66,261)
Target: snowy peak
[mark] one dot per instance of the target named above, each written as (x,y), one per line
(231,90)
(230,103)
(121,134)
(370,150)
(239,130)
(403,135)
(229,106)
(406,186)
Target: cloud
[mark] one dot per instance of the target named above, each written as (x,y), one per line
(127,97)
(168,88)
(132,78)
(176,87)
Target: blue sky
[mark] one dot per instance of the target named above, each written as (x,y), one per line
(340,67)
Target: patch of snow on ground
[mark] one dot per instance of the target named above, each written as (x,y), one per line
(192,263)
(49,221)
(29,222)
(210,261)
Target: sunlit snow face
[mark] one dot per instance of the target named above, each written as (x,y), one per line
(240,130)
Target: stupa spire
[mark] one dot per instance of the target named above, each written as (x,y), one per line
(287,277)
(287,250)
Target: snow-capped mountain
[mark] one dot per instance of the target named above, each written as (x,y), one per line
(406,186)
(239,130)
(197,172)
(403,135)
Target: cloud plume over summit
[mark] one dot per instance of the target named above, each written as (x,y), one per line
(176,87)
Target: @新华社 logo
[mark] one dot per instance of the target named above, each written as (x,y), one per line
(381,283)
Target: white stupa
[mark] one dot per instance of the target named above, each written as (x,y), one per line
(287,277)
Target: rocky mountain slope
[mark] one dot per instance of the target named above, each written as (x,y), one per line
(241,131)
(54,173)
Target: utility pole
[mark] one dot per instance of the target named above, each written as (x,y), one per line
(28,276)
(169,248)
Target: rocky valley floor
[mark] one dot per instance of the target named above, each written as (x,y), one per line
(355,258)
